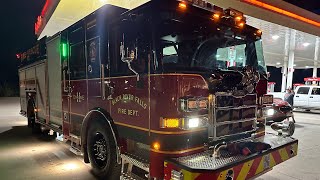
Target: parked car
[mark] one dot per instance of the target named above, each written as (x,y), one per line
(307,97)
(279,111)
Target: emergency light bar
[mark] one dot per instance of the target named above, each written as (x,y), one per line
(206,5)
(232,15)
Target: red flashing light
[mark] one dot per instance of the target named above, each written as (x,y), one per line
(18,56)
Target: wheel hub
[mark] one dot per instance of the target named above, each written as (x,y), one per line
(100,148)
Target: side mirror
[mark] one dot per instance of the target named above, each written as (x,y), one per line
(127,55)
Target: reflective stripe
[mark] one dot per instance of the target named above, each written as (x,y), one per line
(245,169)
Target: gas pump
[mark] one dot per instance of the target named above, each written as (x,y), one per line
(271,86)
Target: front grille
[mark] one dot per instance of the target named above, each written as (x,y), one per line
(230,114)
(233,115)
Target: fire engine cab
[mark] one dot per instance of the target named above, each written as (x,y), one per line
(169,90)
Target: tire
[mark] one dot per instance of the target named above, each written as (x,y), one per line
(102,151)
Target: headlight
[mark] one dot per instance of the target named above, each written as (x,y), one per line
(270,112)
(193,104)
(184,123)
(193,122)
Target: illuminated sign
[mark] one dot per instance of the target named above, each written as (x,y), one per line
(38,24)
(282,11)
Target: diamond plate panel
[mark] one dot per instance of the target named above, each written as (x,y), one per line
(204,161)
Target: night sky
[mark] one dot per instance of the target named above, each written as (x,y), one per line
(298,76)
(310,5)
(17,34)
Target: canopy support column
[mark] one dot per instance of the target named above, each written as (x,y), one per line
(292,45)
(285,61)
(316,57)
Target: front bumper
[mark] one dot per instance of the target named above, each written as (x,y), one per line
(201,166)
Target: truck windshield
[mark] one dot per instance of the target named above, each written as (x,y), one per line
(192,44)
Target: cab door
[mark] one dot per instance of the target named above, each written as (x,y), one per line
(97,54)
(130,48)
(314,98)
(75,81)
(301,98)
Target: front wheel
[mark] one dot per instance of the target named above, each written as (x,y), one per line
(102,151)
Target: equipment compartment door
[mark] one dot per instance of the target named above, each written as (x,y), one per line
(54,78)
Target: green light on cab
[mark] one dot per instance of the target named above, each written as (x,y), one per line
(64,50)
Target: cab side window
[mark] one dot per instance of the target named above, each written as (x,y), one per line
(315,91)
(134,40)
(94,47)
(77,60)
(303,90)
(93,57)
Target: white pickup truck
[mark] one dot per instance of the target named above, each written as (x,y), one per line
(307,97)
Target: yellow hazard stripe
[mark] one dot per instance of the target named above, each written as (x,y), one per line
(244,170)
(189,175)
(272,161)
(283,154)
(295,148)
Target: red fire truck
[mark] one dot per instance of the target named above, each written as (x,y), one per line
(169,90)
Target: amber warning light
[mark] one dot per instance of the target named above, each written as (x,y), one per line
(156,146)
(182,6)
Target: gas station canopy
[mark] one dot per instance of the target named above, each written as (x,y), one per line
(276,19)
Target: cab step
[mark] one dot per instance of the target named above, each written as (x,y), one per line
(75,149)
(130,176)
(133,160)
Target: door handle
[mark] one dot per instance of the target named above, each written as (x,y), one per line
(110,87)
(65,89)
(103,86)
(297,96)
(311,96)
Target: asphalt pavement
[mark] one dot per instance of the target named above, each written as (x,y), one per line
(26,156)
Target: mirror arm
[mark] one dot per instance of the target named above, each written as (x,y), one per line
(135,72)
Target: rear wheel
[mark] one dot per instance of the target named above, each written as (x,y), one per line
(102,151)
